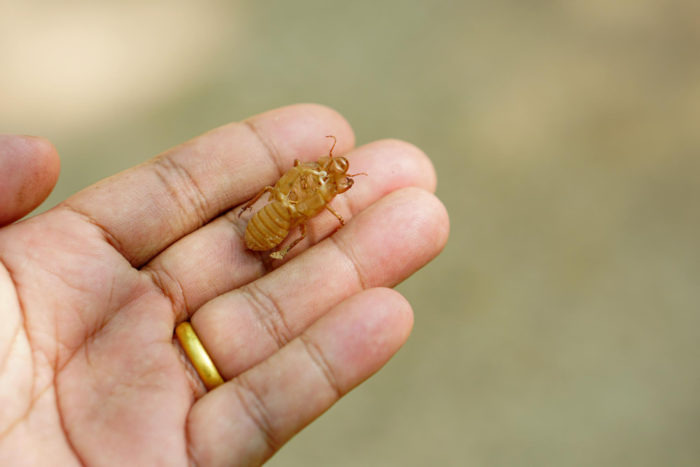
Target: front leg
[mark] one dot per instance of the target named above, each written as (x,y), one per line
(340,218)
(250,203)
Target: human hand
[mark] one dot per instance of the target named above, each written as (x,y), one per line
(91,291)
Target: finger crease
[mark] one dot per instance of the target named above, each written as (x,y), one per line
(109,237)
(317,356)
(256,411)
(346,252)
(171,289)
(166,169)
(269,313)
(271,150)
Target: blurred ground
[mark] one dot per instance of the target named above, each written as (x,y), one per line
(561,325)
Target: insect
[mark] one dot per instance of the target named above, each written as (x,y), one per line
(301,193)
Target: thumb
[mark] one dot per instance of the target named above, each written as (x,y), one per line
(29,169)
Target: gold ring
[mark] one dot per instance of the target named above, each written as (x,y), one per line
(198,355)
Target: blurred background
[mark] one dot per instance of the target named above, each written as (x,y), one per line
(561,325)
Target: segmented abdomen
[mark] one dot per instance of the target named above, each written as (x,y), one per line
(268,227)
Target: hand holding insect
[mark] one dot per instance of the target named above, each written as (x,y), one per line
(92,289)
(301,193)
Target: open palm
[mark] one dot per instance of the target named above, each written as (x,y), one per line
(91,291)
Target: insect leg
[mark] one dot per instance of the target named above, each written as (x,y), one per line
(255,198)
(280,254)
(340,218)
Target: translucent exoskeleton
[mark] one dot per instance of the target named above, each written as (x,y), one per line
(302,192)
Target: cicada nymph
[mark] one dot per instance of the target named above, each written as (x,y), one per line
(302,192)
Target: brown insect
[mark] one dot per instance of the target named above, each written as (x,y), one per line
(302,192)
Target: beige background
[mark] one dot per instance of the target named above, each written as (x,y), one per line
(560,326)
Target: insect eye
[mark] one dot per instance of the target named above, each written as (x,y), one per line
(340,165)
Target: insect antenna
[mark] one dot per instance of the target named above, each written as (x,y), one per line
(330,153)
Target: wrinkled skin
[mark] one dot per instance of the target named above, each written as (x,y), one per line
(91,291)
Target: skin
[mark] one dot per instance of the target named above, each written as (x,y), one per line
(28,169)
(91,291)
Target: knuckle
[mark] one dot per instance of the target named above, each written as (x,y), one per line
(347,253)
(270,149)
(254,406)
(319,360)
(182,187)
(269,313)
(170,288)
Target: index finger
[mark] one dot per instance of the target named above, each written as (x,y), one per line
(144,209)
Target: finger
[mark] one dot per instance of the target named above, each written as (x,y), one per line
(145,209)
(29,169)
(380,247)
(201,266)
(247,419)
